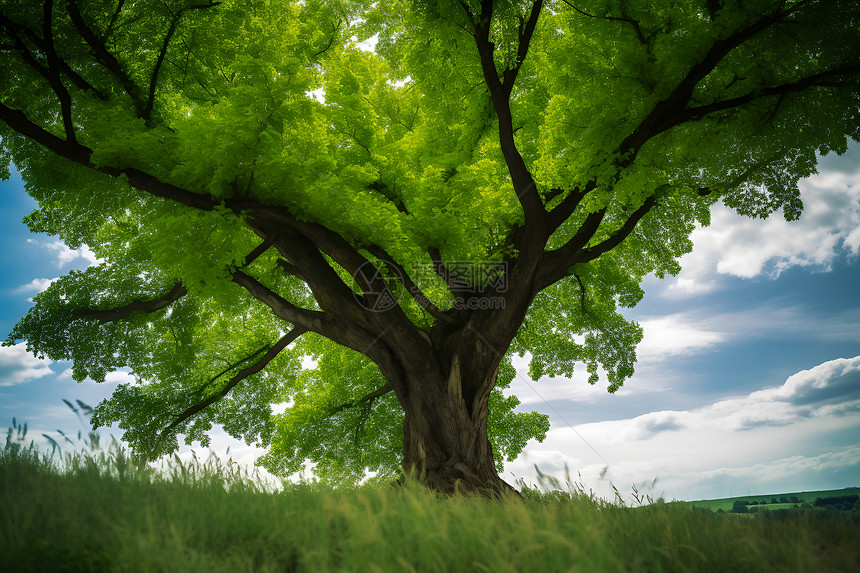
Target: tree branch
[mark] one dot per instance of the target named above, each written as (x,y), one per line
(817,80)
(241,375)
(290,269)
(13,28)
(335,30)
(123,312)
(53,68)
(591,253)
(81,154)
(631,21)
(713,7)
(568,205)
(555,264)
(258,250)
(322,238)
(523,182)
(444,272)
(113,20)
(101,53)
(509,77)
(410,285)
(284,309)
(656,122)
(378,393)
(153,81)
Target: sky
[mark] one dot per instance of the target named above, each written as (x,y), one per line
(748,379)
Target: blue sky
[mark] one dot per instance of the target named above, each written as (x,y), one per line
(748,379)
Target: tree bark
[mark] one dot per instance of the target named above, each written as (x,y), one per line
(446,447)
(445,442)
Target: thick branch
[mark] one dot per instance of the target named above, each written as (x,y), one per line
(323,238)
(714,6)
(444,272)
(290,269)
(241,375)
(258,250)
(555,265)
(568,205)
(660,117)
(616,238)
(410,285)
(524,184)
(123,312)
(81,154)
(284,309)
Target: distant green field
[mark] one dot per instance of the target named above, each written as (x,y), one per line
(802,496)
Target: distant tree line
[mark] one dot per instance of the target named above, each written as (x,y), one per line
(843,502)
(840,503)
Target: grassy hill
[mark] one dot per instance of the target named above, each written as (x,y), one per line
(792,499)
(96,512)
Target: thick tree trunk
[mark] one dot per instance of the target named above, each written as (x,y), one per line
(445,441)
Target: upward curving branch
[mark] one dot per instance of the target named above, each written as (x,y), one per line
(162,54)
(591,253)
(665,112)
(273,352)
(120,313)
(284,309)
(500,93)
(102,55)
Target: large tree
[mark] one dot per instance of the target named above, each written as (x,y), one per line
(493,178)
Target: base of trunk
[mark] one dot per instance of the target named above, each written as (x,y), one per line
(458,479)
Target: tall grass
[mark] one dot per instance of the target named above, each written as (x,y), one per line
(96,510)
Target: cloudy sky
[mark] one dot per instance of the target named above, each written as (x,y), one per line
(748,379)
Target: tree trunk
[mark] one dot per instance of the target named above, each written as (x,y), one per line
(445,442)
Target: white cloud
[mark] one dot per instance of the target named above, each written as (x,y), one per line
(67,256)
(119,377)
(673,335)
(739,246)
(37,285)
(665,337)
(18,366)
(772,438)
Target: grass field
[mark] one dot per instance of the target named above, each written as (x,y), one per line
(95,511)
(802,497)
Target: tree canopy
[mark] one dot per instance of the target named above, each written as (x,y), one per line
(493,178)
